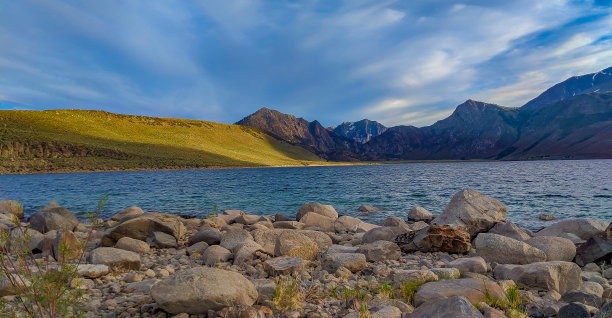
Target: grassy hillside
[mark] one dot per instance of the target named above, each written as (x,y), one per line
(83,140)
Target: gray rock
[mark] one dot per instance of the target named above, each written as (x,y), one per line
(233,239)
(296,245)
(127,212)
(556,275)
(417,276)
(247,219)
(505,250)
(574,310)
(387,312)
(446,273)
(368,208)
(325,210)
(283,265)
(475,264)
(594,250)
(161,240)
(472,289)
(581,227)
(420,214)
(351,261)
(35,237)
(58,219)
(141,226)
(592,288)
(312,219)
(555,248)
(265,288)
(342,249)
(197,248)
(267,238)
(576,296)
(216,254)
(455,307)
(346,224)
(142,286)
(381,233)
(380,251)
(134,245)
(473,211)
(92,270)
(116,259)
(394,221)
(200,289)
(246,252)
(510,230)
(207,234)
(292,225)
(546,217)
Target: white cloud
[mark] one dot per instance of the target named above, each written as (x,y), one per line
(576,41)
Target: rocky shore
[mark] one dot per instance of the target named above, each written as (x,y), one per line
(468,261)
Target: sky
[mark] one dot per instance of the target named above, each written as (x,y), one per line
(396,62)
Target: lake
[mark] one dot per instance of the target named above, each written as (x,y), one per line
(581,188)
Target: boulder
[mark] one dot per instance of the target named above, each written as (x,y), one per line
(435,238)
(417,276)
(267,238)
(161,240)
(351,261)
(312,219)
(592,288)
(581,227)
(92,270)
(35,237)
(297,245)
(594,250)
(11,207)
(265,288)
(283,265)
(394,221)
(577,296)
(381,233)
(366,208)
(215,254)
(281,217)
(234,238)
(134,245)
(555,248)
(446,273)
(348,224)
(141,226)
(455,306)
(200,289)
(127,212)
(510,230)
(66,246)
(505,250)
(387,312)
(556,275)
(207,234)
(247,219)
(116,259)
(380,251)
(473,211)
(292,225)
(472,289)
(197,248)
(470,264)
(419,214)
(246,252)
(58,219)
(574,310)
(325,210)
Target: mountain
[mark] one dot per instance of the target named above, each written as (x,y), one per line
(309,135)
(595,82)
(361,131)
(83,140)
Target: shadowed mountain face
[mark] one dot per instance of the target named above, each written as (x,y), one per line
(596,82)
(361,131)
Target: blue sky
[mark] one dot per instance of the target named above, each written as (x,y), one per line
(398,62)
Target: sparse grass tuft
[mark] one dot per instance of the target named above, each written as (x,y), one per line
(408,289)
(513,305)
(364,312)
(287,294)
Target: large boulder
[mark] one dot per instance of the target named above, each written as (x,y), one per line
(11,207)
(297,245)
(235,238)
(471,288)
(581,227)
(556,275)
(510,229)
(116,259)
(58,219)
(435,238)
(207,234)
(380,251)
(215,254)
(322,209)
(246,252)
(594,250)
(200,289)
(555,248)
(141,226)
(455,306)
(470,264)
(505,250)
(127,212)
(419,214)
(473,211)
(312,219)
(351,261)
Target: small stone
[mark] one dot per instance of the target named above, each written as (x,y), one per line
(161,240)
(92,270)
(368,208)
(149,273)
(546,217)
(115,258)
(132,277)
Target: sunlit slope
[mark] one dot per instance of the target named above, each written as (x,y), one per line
(74,140)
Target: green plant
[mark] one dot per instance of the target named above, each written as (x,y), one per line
(43,288)
(408,289)
(354,292)
(211,215)
(385,289)
(287,294)
(333,291)
(364,312)
(512,305)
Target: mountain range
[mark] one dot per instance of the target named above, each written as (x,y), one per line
(571,120)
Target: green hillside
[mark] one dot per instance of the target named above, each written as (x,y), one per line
(83,140)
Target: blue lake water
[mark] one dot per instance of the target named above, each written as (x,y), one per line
(562,188)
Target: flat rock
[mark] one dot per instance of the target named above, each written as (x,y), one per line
(504,250)
(58,219)
(116,259)
(475,264)
(297,245)
(215,254)
(351,261)
(380,251)
(141,226)
(92,270)
(555,248)
(556,275)
(455,307)
(322,209)
(473,211)
(420,214)
(200,289)
(127,212)
(510,230)
(207,234)
(581,227)
(283,265)
(133,245)
(472,289)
